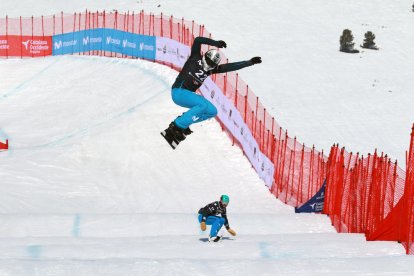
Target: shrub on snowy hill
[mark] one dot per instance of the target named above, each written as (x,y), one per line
(369,41)
(346,42)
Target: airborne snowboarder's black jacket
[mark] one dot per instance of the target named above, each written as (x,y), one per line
(193,74)
(215,208)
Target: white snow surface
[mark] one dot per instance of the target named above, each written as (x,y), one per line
(90,187)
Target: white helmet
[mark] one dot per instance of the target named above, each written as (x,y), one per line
(211,59)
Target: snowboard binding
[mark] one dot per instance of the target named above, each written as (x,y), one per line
(174,135)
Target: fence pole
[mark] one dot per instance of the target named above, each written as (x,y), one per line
(262,146)
(245,104)
(61,20)
(7,35)
(294,163)
(32,33)
(192,34)
(74,29)
(282,167)
(288,176)
(43,36)
(21,38)
(153,24)
(300,186)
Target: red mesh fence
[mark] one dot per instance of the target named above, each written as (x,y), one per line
(370,195)
(4,146)
(407,221)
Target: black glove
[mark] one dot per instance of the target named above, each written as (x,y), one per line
(221,44)
(256,60)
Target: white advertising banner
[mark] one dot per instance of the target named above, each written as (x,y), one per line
(171,51)
(232,119)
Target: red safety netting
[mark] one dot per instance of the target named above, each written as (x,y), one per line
(370,195)
(4,146)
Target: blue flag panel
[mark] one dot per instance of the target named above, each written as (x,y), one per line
(315,204)
(110,40)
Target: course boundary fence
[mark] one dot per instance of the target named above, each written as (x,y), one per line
(371,195)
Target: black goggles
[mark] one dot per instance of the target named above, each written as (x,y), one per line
(210,62)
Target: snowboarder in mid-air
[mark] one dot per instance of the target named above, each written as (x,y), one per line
(196,69)
(215,214)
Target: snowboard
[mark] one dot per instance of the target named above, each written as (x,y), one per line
(170,139)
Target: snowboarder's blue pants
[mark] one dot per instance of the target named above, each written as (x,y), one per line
(215,222)
(200,108)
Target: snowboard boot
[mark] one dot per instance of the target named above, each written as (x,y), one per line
(187,131)
(173,134)
(169,137)
(178,133)
(214,239)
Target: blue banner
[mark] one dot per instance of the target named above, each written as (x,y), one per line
(109,40)
(315,204)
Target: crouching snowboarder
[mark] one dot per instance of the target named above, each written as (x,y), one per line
(195,70)
(214,214)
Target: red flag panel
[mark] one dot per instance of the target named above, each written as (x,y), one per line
(25,46)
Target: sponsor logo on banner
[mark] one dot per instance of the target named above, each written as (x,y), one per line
(224,108)
(144,47)
(171,51)
(4,45)
(25,43)
(36,46)
(236,125)
(163,49)
(180,56)
(26,46)
(128,44)
(315,204)
(217,100)
(110,40)
(60,44)
(90,40)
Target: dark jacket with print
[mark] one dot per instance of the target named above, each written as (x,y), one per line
(215,208)
(193,74)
